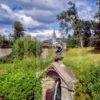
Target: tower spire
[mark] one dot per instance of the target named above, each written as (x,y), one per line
(54,34)
(54,38)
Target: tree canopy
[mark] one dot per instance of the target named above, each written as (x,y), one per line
(18,30)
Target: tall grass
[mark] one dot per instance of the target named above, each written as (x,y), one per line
(86,66)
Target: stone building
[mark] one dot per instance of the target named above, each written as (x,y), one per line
(59,83)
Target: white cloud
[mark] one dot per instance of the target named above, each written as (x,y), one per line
(86,9)
(4,31)
(40,13)
(26,20)
(5,8)
(44,32)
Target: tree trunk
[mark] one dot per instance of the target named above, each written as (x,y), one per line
(81,42)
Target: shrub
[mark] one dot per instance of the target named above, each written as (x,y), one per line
(26,46)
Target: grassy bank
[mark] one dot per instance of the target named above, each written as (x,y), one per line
(85,64)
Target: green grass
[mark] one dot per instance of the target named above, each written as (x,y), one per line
(86,66)
(4,68)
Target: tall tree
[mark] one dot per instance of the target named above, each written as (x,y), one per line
(68,16)
(87,32)
(82,29)
(97,32)
(71,16)
(18,30)
(1,40)
(97,37)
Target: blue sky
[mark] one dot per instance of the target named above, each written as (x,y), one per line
(39,16)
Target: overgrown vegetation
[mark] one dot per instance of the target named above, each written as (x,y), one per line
(86,66)
(21,80)
(20,72)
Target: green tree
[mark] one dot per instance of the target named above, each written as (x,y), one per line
(71,16)
(68,16)
(87,33)
(83,32)
(97,37)
(97,28)
(18,30)
(1,40)
(82,29)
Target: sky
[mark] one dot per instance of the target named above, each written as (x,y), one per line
(39,16)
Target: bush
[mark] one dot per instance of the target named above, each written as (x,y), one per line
(26,46)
